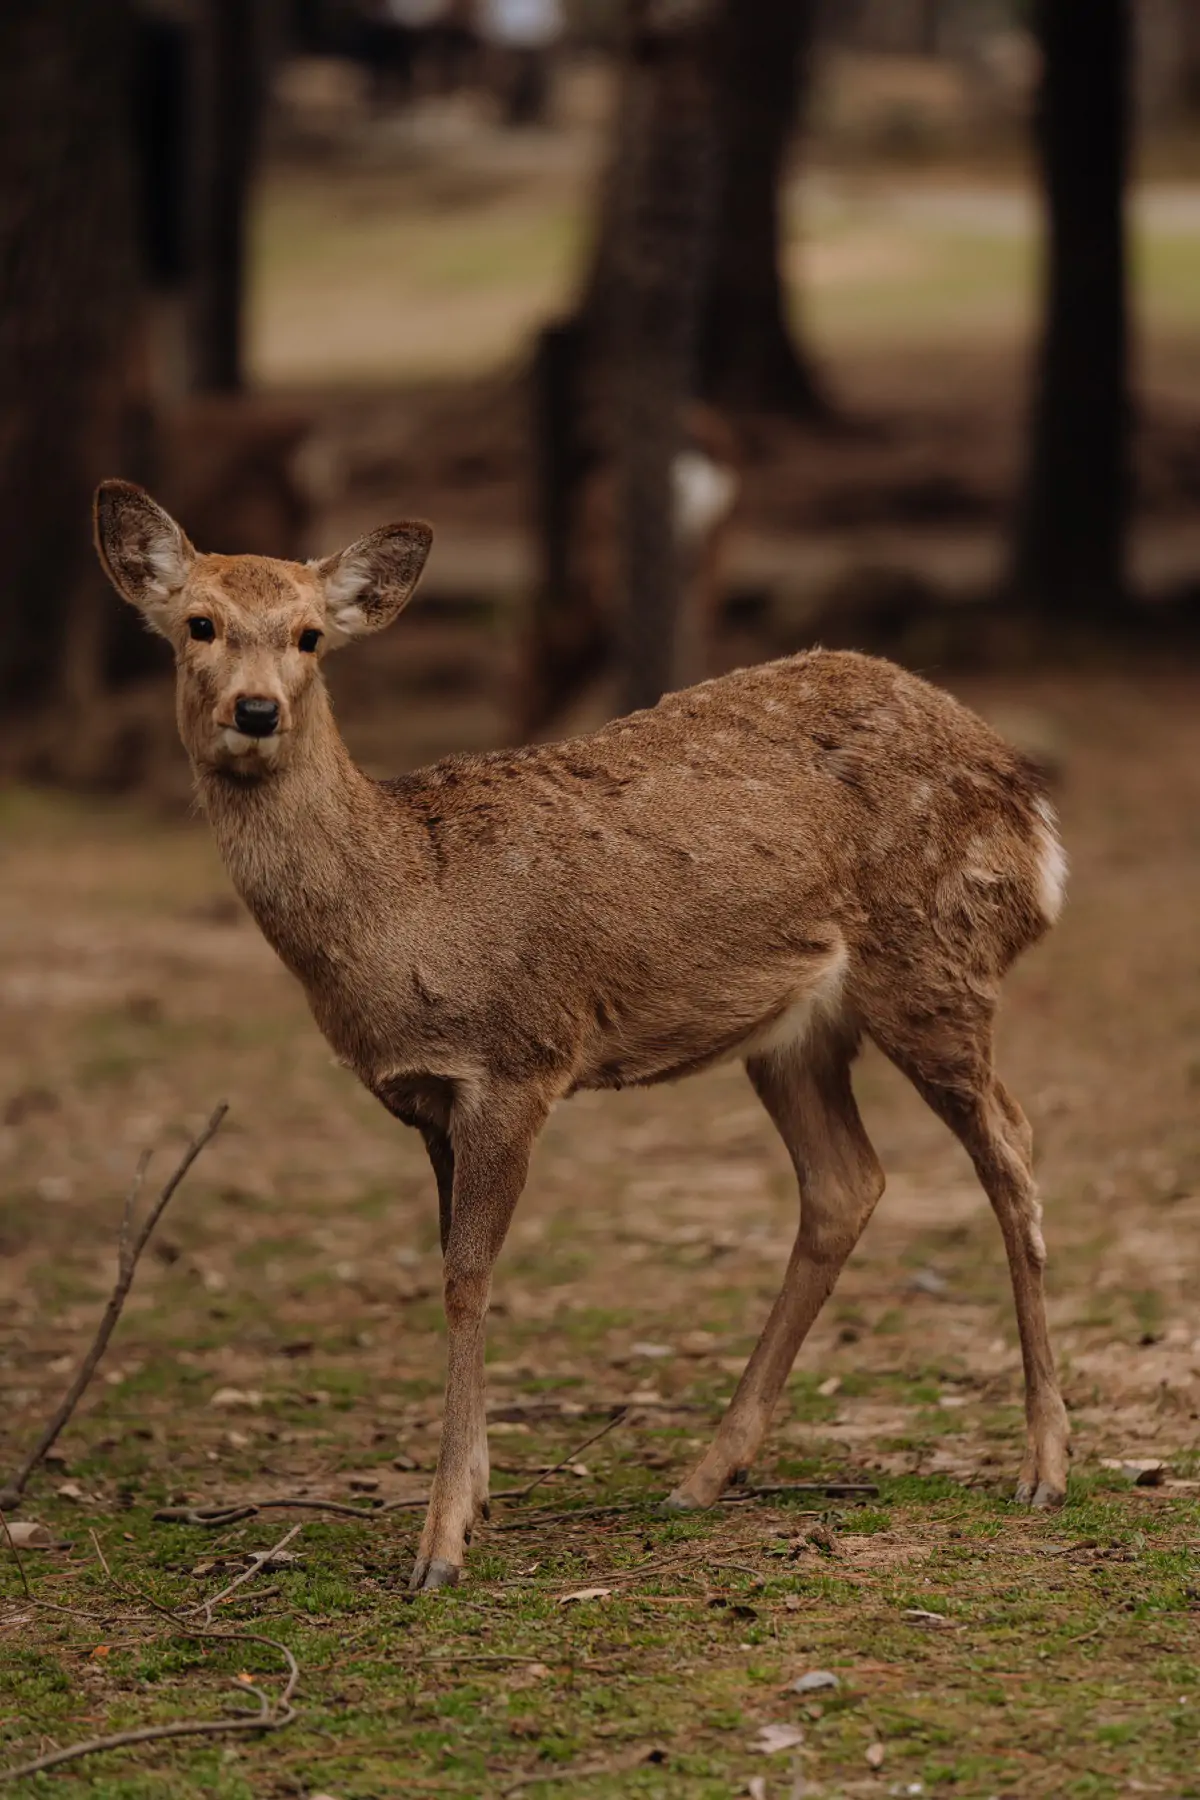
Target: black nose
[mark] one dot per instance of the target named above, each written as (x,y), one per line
(256,716)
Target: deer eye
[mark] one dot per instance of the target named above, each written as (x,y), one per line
(308,640)
(203,630)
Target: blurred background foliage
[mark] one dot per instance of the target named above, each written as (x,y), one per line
(702,330)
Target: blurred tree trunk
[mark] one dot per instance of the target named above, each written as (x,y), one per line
(1070,546)
(67,282)
(750,358)
(729,341)
(662,187)
(229,87)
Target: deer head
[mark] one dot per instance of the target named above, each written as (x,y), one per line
(249,632)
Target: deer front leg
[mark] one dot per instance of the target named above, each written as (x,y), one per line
(492,1139)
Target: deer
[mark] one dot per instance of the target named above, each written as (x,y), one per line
(773,867)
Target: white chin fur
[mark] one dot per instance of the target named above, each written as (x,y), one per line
(238,744)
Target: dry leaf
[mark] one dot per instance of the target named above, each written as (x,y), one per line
(100,1650)
(875,1754)
(231,1397)
(584,1594)
(916,1615)
(772,1739)
(1143,1473)
(26,1535)
(829,1386)
(756,1788)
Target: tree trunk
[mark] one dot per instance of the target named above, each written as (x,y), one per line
(231,55)
(750,359)
(1070,548)
(663,182)
(67,279)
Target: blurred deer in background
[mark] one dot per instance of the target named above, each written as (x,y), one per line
(767,867)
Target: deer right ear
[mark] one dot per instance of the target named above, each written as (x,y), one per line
(367,585)
(144,553)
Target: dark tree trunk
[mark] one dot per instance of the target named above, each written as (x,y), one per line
(663,182)
(1070,549)
(569,642)
(750,359)
(67,282)
(230,75)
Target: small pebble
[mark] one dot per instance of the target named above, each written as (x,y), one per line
(815,1682)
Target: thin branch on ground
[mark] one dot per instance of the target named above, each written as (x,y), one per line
(271,1715)
(578,1512)
(832,1490)
(217,1515)
(12,1544)
(262,1560)
(572,1455)
(129,1250)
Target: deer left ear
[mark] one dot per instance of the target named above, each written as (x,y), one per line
(369,584)
(144,553)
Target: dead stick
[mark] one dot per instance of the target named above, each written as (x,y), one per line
(129,1250)
(148,1734)
(12,1544)
(832,1490)
(267,1718)
(521,1492)
(533,1520)
(246,1509)
(262,1560)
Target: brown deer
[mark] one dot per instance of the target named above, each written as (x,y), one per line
(766,866)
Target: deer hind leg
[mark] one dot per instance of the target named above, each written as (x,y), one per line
(809,1097)
(491,1145)
(966,1094)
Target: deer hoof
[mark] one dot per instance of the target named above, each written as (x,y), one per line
(683,1501)
(1044,1497)
(434,1573)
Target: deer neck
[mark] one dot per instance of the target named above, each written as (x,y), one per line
(303,843)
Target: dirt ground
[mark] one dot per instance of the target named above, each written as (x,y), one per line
(284,1337)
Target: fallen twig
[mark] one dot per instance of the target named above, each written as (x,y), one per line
(832,1490)
(271,1716)
(268,1717)
(262,1560)
(234,1512)
(231,1514)
(533,1520)
(570,1457)
(129,1250)
(12,1544)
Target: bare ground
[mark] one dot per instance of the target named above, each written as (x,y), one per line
(298,1270)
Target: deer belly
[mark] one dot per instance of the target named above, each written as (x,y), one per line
(672,1036)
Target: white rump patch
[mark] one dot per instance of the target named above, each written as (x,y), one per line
(787,1034)
(1051,862)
